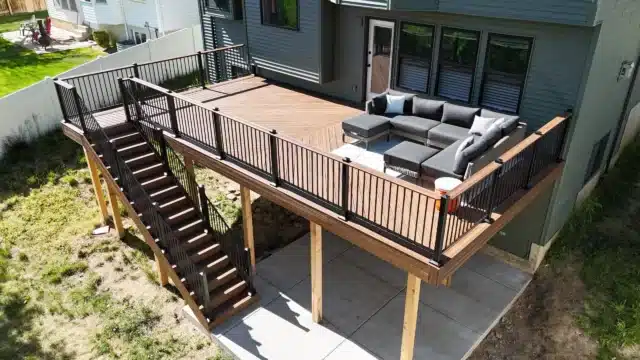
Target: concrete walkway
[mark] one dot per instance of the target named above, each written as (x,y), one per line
(364,307)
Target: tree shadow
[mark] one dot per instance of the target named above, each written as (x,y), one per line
(17,341)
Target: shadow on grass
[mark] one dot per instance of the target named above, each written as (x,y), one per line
(25,166)
(16,56)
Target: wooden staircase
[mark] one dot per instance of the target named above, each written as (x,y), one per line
(228,292)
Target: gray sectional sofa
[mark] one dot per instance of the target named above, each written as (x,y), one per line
(440,127)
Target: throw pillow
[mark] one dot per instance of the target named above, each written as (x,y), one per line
(509,125)
(395,104)
(496,124)
(481,125)
(379,104)
(458,115)
(460,161)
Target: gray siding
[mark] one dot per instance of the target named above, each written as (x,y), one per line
(602,100)
(290,52)
(228,31)
(372,4)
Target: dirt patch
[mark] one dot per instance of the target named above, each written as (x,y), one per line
(542,323)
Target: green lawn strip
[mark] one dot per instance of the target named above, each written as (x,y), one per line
(12,22)
(20,67)
(46,257)
(604,236)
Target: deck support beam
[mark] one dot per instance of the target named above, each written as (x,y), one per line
(163,277)
(97,187)
(115,211)
(409,324)
(316,272)
(247,224)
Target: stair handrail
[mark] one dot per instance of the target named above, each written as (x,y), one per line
(132,188)
(239,255)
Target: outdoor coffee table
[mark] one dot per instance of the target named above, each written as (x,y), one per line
(406,158)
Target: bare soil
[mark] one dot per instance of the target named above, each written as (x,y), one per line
(542,323)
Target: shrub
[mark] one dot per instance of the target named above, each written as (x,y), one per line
(102,38)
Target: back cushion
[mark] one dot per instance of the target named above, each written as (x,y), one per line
(426,108)
(510,124)
(379,104)
(408,102)
(459,115)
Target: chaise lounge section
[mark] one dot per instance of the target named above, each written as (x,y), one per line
(454,140)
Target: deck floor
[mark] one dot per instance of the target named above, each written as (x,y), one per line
(364,306)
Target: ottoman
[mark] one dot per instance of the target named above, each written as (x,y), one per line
(366,127)
(407,157)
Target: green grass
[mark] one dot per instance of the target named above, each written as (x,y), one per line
(20,67)
(603,235)
(56,279)
(12,22)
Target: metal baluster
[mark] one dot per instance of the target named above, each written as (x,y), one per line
(201,71)
(442,217)
(345,187)
(123,93)
(495,177)
(531,169)
(173,116)
(274,158)
(204,206)
(217,133)
(76,99)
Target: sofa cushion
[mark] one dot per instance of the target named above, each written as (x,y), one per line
(379,104)
(408,155)
(461,160)
(395,104)
(441,164)
(481,125)
(459,115)
(413,124)
(444,135)
(408,104)
(511,121)
(366,125)
(427,108)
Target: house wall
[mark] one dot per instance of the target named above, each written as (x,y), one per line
(602,100)
(74,17)
(570,12)
(178,14)
(631,123)
(555,72)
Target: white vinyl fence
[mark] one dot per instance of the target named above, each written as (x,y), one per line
(34,110)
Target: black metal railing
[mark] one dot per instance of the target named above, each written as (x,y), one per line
(134,191)
(378,202)
(100,89)
(232,243)
(480,196)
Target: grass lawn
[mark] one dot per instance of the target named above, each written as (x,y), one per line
(12,22)
(20,67)
(65,294)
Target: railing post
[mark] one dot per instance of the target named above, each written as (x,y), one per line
(204,206)
(534,153)
(562,138)
(274,158)
(492,190)
(60,101)
(115,166)
(249,271)
(159,136)
(136,71)
(205,290)
(201,70)
(123,92)
(173,117)
(344,168)
(136,99)
(76,99)
(440,232)
(217,133)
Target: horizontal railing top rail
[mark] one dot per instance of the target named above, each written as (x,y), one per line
(421,190)
(152,62)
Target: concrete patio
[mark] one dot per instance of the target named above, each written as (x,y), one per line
(364,307)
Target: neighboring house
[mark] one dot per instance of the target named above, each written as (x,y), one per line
(137,20)
(536,59)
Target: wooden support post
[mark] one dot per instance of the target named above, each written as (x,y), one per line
(162,272)
(316,272)
(115,211)
(410,317)
(447,281)
(97,187)
(247,224)
(188,163)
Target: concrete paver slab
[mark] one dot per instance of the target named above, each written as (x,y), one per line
(373,265)
(498,271)
(352,351)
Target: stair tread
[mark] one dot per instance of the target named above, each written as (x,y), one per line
(228,288)
(190,224)
(233,304)
(132,146)
(125,135)
(173,201)
(213,247)
(153,179)
(191,209)
(149,154)
(174,187)
(148,168)
(208,264)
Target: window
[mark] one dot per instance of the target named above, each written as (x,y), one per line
(415,52)
(595,161)
(505,71)
(457,64)
(281,13)
(139,37)
(64,4)
(219,4)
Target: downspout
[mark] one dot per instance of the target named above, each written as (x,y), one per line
(159,17)
(124,18)
(246,34)
(622,121)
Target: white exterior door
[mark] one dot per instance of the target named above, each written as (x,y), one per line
(379,57)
